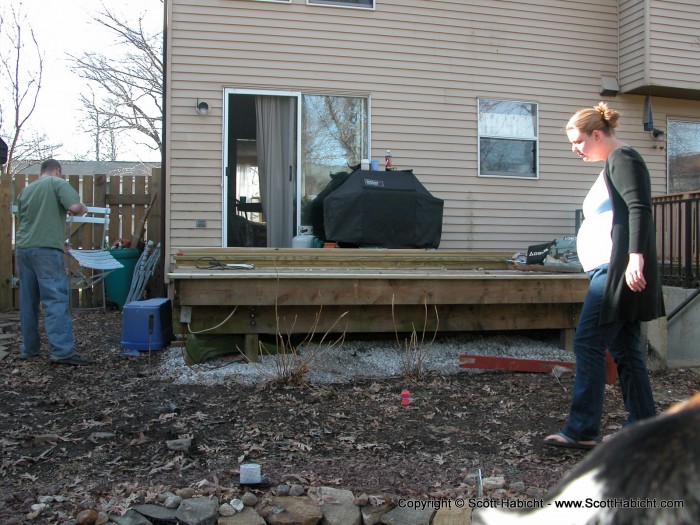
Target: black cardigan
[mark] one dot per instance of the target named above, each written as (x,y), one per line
(633,231)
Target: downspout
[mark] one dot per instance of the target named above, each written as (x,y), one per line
(165,249)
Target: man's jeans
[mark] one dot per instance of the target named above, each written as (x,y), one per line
(590,342)
(42,277)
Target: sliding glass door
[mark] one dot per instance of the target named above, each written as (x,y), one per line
(270,138)
(334,136)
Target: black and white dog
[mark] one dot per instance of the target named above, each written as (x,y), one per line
(647,474)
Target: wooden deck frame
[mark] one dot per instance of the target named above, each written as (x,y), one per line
(382,291)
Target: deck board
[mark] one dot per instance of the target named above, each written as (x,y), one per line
(387,292)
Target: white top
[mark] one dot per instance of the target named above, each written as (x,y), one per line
(594,240)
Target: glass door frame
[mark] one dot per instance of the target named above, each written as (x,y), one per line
(224,158)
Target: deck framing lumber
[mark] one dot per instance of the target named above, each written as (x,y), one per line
(382,291)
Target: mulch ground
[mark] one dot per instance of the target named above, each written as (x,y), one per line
(96,436)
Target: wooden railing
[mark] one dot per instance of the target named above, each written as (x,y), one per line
(677,219)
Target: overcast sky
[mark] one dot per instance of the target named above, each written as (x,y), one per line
(65,27)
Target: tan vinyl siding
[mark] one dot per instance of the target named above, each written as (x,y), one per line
(674,54)
(633,40)
(424,65)
(659,50)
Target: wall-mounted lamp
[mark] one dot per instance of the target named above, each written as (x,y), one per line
(202,107)
(657,134)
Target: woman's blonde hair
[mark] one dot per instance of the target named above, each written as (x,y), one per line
(600,117)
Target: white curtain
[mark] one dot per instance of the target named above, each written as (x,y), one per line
(275,148)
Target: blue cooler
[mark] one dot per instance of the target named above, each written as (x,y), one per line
(147,325)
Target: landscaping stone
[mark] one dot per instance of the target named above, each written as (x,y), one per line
(130,517)
(453,516)
(296,490)
(198,511)
(186,493)
(372,514)
(247,516)
(283,490)
(156,512)
(86,517)
(237,505)
(285,510)
(172,502)
(408,516)
(249,499)
(493,483)
(337,506)
(226,510)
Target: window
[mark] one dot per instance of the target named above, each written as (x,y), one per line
(683,142)
(365,4)
(507,139)
(334,135)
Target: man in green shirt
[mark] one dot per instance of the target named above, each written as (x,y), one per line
(41,209)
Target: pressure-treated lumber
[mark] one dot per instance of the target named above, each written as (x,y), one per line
(295,291)
(344,258)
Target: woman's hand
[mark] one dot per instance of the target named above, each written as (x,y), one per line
(634,274)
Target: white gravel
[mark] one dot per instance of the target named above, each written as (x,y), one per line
(366,359)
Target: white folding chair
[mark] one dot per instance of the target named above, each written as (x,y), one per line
(93,265)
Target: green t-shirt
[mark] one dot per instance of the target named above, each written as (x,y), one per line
(42,208)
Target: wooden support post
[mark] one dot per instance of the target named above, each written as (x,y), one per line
(566,338)
(251,347)
(153,227)
(114,231)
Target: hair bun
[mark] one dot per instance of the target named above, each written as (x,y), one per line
(609,115)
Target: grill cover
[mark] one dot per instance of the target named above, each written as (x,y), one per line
(389,209)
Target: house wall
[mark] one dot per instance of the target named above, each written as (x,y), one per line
(424,65)
(674,53)
(659,45)
(633,44)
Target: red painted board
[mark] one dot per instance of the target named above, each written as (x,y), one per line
(512,364)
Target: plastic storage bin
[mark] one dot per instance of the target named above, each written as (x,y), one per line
(147,325)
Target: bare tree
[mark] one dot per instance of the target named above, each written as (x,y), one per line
(99,123)
(22,66)
(132,85)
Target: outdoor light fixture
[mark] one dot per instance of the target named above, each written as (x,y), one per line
(202,107)
(658,134)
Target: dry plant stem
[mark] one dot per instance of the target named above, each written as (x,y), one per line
(290,366)
(415,351)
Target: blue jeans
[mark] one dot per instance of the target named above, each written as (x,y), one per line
(42,278)
(622,339)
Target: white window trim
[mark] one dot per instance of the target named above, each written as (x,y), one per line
(373,8)
(670,119)
(536,138)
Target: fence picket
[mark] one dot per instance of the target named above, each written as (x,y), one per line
(126,196)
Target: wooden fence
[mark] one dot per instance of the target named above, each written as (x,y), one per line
(129,198)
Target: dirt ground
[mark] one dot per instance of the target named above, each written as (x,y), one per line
(96,436)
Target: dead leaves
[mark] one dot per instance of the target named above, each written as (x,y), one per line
(106,440)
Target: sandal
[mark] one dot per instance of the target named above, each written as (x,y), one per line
(563,441)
